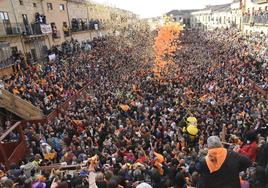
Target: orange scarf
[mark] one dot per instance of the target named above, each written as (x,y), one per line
(219,154)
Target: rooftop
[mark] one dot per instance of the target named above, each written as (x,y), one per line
(181,12)
(218,7)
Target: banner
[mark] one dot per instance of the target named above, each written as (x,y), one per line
(52,57)
(96,26)
(46,28)
(124,107)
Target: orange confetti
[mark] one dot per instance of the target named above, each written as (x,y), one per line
(165,47)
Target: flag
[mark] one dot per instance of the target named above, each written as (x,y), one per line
(124,107)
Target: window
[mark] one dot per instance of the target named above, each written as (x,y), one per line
(33,53)
(49,6)
(6,22)
(4,16)
(62,7)
(34,4)
(21,2)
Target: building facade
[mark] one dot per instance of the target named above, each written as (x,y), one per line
(255,16)
(212,17)
(33,26)
(246,15)
(181,16)
(236,14)
(18,25)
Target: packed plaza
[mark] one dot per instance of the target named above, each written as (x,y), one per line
(176,107)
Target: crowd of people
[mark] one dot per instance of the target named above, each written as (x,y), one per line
(50,84)
(130,128)
(258,16)
(16,60)
(251,53)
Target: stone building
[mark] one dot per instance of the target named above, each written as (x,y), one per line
(33,26)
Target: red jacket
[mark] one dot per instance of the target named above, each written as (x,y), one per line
(250,150)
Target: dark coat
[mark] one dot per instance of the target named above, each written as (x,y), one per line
(227,176)
(262,155)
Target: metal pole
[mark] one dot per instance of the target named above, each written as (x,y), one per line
(14,12)
(87,14)
(68,16)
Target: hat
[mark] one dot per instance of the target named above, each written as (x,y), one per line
(144,185)
(214,142)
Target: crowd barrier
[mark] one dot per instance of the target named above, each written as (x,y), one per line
(258,88)
(12,151)
(253,84)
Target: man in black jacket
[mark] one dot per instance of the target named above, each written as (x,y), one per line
(221,168)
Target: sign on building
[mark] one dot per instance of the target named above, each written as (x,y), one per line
(96,26)
(46,28)
(52,57)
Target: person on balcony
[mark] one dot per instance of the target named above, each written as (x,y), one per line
(65,29)
(54,31)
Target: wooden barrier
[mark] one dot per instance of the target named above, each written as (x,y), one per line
(6,71)
(18,106)
(258,88)
(62,167)
(11,152)
(253,84)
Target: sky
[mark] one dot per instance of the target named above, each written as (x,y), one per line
(152,8)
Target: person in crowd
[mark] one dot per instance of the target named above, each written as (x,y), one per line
(220,167)
(249,148)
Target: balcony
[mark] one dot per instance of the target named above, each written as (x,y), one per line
(56,34)
(7,29)
(79,28)
(10,29)
(6,63)
(260,1)
(33,29)
(261,19)
(78,25)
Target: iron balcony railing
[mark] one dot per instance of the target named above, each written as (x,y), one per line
(256,19)
(20,29)
(7,28)
(77,26)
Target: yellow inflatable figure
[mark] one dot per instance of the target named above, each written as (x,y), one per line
(191,128)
